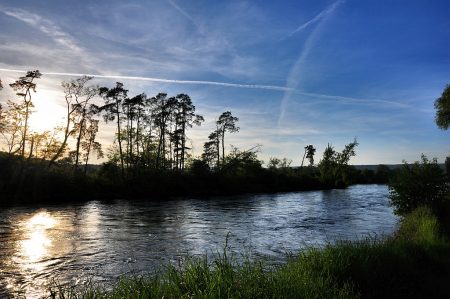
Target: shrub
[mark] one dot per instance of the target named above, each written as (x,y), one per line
(418,184)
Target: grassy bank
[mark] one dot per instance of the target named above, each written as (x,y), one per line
(413,263)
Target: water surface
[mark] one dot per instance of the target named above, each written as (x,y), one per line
(101,241)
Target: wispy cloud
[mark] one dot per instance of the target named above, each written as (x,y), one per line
(327,11)
(45,26)
(161,80)
(352,100)
(66,48)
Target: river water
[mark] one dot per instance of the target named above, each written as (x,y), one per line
(101,241)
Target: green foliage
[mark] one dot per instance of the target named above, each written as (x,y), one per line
(241,163)
(419,184)
(334,169)
(421,225)
(442,105)
(275,163)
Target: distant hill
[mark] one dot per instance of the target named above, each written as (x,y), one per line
(391,166)
(374,167)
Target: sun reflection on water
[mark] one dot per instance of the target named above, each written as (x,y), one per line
(37,243)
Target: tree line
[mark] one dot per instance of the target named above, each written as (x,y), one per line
(151,154)
(150,132)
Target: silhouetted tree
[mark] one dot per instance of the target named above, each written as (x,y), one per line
(242,163)
(113,111)
(12,126)
(226,123)
(133,109)
(442,105)
(334,165)
(185,118)
(309,154)
(146,133)
(23,87)
(161,116)
(89,144)
(51,143)
(275,163)
(327,165)
(84,113)
(211,150)
(77,96)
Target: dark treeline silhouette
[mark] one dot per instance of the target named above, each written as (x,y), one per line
(150,156)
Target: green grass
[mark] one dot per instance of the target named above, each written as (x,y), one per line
(413,263)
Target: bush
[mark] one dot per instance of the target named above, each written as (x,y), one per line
(419,184)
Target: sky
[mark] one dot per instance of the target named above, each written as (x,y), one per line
(293,72)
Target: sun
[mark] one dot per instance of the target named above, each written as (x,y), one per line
(48,112)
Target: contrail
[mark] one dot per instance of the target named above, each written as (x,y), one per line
(295,74)
(161,80)
(236,85)
(318,17)
(183,12)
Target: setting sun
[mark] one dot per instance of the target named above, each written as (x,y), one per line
(47,113)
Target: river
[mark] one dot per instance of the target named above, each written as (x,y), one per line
(101,241)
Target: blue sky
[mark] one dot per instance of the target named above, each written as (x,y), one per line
(297,72)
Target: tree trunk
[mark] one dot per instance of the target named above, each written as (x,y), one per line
(303,158)
(77,151)
(119,137)
(223,146)
(25,128)
(31,148)
(88,151)
(63,145)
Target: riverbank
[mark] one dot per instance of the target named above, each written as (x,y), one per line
(412,263)
(25,182)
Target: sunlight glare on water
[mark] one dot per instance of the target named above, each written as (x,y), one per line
(35,247)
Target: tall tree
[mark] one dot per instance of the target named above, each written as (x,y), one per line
(162,113)
(442,105)
(1,110)
(23,87)
(113,111)
(226,123)
(12,125)
(309,154)
(84,111)
(147,146)
(211,149)
(77,96)
(139,103)
(89,144)
(185,118)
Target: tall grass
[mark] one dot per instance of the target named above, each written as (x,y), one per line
(413,263)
